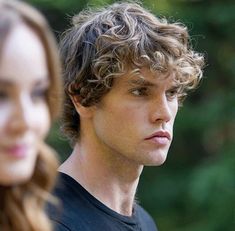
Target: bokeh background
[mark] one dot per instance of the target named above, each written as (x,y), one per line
(195,189)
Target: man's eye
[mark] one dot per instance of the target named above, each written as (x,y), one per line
(173,93)
(139,91)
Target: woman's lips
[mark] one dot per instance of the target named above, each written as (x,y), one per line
(18,150)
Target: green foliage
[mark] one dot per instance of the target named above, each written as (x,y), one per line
(59,142)
(59,12)
(195,189)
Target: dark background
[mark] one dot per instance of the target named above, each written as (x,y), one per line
(195,189)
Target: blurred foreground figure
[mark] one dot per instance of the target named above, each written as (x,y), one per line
(29,100)
(126,72)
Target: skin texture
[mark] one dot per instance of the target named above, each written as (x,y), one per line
(130,114)
(126,118)
(24,113)
(132,126)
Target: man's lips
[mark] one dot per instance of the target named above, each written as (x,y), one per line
(160,138)
(159,134)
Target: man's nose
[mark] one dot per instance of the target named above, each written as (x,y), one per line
(160,111)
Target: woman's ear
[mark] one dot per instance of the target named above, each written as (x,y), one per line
(84,112)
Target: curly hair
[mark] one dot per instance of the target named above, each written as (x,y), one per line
(103,43)
(22,205)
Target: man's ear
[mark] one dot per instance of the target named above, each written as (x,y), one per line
(85,112)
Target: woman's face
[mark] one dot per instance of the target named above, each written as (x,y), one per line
(24,112)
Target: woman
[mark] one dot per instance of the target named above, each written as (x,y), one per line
(29,101)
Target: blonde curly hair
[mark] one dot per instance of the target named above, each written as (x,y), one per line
(103,43)
(22,206)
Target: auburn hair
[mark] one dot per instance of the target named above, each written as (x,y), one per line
(22,205)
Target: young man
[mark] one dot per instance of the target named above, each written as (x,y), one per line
(125,73)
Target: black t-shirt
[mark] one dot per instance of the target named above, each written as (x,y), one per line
(80,211)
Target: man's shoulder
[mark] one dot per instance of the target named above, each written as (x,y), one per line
(69,212)
(144,219)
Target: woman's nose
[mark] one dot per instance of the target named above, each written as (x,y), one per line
(22,115)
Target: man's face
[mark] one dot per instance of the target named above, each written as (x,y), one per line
(134,120)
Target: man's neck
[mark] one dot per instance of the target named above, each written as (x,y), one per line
(113,181)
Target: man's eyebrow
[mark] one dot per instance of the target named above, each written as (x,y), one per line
(141,82)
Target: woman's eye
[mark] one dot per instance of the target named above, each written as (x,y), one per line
(139,91)
(3,95)
(39,94)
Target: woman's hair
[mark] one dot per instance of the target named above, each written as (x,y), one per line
(22,206)
(102,44)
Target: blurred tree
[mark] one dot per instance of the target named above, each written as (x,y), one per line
(59,12)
